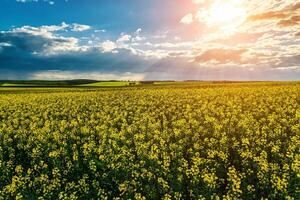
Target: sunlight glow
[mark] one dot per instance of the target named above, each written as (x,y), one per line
(226,15)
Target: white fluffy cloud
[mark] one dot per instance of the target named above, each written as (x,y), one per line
(188,19)
(46,31)
(48,36)
(49,30)
(124,38)
(5,44)
(108,46)
(80,27)
(27,1)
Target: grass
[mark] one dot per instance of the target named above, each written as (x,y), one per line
(64,84)
(107,84)
(16,85)
(44,83)
(165,82)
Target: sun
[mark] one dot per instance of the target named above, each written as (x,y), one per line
(224,14)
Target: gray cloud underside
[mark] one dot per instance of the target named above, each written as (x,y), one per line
(26,52)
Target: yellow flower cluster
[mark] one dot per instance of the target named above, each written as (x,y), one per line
(193,141)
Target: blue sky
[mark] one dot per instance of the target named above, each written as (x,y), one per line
(117,16)
(157,39)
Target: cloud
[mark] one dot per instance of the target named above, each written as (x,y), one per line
(183,69)
(24,1)
(40,40)
(5,44)
(188,19)
(268,16)
(44,40)
(46,31)
(108,46)
(292,21)
(59,52)
(239,38)
(173,69)
(100,31)
(32,50)
(137,37)
(124,38)
(294,7)
(27,1)
(284,13)
(80,27)
(49,30)
(138,31)
(288,62)
(297,34)
(221,56)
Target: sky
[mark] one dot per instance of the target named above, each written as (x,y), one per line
(150,39)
